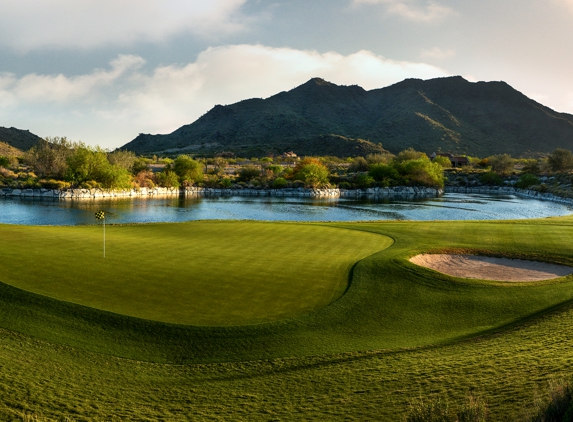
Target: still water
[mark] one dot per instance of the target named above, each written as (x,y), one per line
(173,209)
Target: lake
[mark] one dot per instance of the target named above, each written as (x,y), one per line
(451,206)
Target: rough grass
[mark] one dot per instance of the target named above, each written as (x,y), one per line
(400,332)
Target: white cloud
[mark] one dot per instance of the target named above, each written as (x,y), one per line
(413,10)
(437,53)
(31,24)
(110,107)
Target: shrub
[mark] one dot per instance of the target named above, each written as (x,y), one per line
(358,164)
(313,175)
(383,173)
(168,179)
(410,154)
(443,161)
(279,183)
(345,185)
(364,181)
(54,184)
(490,178)
(248,173)
(501,164)
(527,180)
(560,160)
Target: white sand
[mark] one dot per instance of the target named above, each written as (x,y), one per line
(489,268)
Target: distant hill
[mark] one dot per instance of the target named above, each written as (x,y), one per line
(18,138)
(321,118)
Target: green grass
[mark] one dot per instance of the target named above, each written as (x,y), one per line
(399,332)
(206,273)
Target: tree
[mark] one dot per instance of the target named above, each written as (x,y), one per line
(49,157)
(187,169)
(90,167)
(501,164)
(560,160)
(313,175)
(384,173)
(123,158)
(443,161)
(422,172)
(409,154)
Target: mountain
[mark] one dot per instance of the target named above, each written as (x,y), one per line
(322,118)
(18,138)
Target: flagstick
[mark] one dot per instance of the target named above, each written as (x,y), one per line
(104,237)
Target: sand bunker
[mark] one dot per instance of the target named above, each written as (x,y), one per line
(489,268)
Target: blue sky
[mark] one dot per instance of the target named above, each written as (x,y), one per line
(102,71)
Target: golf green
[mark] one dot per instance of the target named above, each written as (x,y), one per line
(202,273)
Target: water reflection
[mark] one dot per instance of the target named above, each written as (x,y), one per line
(42,211)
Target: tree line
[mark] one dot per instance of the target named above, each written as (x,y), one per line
(60,163)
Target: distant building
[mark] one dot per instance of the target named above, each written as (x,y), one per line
(289,154)
(457,161)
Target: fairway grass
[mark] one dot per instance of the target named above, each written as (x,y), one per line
(399,331)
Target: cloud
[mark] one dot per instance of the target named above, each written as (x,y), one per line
(32,24)
(412,9)
(437,53)
(110,107)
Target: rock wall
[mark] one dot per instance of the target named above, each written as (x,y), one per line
(508,190)
(398,191)
(88,193)
(323,193)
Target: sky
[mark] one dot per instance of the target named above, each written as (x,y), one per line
(103,71)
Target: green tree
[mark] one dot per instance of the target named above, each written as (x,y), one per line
(409,154)
(421,171)
(187,169)
(386,174)
(168,179)
(560,160)
(443,161)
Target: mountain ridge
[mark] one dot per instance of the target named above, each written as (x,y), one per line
(447,114)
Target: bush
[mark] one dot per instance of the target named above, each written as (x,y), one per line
(422,172)
(385,173)
(187,169)
(168,179)
(54,184)
(501,164)
(279,183)
(490,178)
(248,173)
(345,185)
(365,181)
(443,161)
(560,160)
(527,180)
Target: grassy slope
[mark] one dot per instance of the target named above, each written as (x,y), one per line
(391,304)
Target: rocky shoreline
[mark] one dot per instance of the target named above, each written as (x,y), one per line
(398,191)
